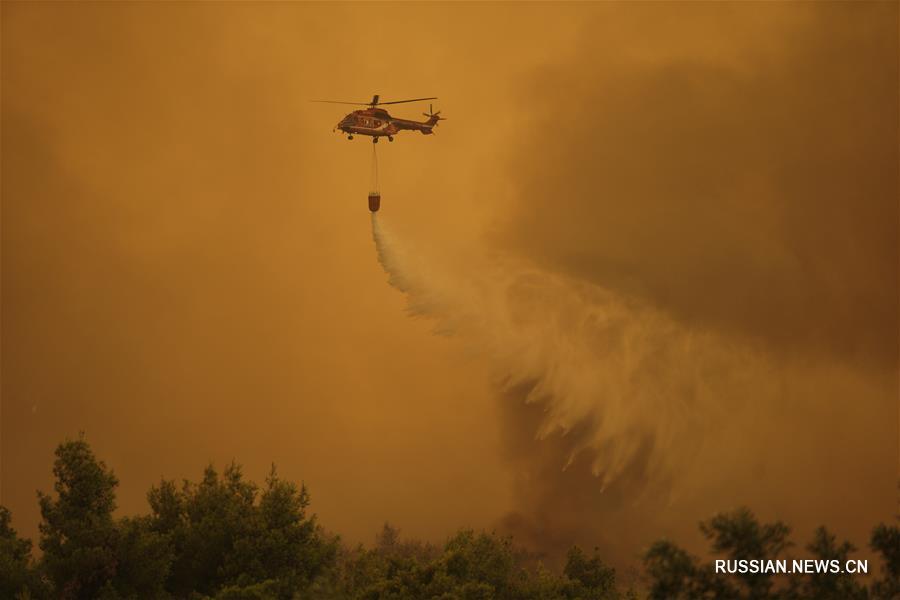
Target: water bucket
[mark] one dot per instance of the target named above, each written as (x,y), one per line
(374,201)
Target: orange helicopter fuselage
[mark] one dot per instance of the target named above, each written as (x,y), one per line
(376,122)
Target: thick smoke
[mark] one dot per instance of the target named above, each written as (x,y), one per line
(734,165)
(733,170)
(696,307)
(610,386)
(621,380)
(623,424)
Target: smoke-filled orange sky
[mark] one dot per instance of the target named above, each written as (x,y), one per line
(662,239)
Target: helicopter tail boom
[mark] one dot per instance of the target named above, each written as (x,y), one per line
(425,127)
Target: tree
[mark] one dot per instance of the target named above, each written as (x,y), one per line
(481,561)
(78,535)
(830,586)
(225,538)
(18,577)
(225,535)
(886,541)
(591,578)
(740,536)
(675,575)
(283,544)
(143,559)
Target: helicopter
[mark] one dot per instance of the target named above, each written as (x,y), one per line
(376,122)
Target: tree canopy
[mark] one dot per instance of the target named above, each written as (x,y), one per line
(225,538)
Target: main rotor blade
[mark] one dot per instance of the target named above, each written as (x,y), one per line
(336,102)
(413,100)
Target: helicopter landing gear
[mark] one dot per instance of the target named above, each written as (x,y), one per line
(349,137)
(374,140)
(390,138)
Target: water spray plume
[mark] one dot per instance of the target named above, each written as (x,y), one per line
(635,380)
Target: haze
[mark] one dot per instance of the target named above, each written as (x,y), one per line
(189,272)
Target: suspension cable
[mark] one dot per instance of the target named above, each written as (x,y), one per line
(375,187)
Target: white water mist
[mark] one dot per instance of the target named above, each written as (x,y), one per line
(633,376)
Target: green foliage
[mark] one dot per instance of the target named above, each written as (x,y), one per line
(87,553)
(78,535)
(265,590)
(479,562)
(739,536)
(886,541)
(590,578)
(471,565)
(225,538)
(830,586)
(675,575)
(219,537)
(225,535)
(18,577)
(143,559)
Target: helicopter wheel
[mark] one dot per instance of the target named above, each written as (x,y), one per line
(349,137)
(374,140)
(390,138)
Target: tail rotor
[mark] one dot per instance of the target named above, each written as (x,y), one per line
(433,118)
(434,115)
